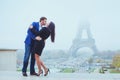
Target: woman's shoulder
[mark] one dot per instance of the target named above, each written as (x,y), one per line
(44,28)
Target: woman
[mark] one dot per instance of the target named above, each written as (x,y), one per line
(44,33)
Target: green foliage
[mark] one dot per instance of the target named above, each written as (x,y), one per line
(101,71)
(116,61)
(114,71)
(68,70)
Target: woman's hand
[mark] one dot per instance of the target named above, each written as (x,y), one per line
(38,38)
(31,27)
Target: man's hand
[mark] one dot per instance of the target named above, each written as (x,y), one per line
(38,38)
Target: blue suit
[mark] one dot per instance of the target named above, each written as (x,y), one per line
(30,36)
(28,45)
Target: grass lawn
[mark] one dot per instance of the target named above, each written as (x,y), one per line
(68,70)
(114,71)
(20,70)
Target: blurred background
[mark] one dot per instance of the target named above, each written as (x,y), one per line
(87,32)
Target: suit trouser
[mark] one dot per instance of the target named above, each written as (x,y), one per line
(26,59)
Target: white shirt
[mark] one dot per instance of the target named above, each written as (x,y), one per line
(40,26)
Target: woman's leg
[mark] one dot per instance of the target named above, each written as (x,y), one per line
(38,62)
(42,64)
(45,68)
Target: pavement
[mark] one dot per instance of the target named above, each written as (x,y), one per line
(14,75)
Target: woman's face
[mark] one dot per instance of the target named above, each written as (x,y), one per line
(47,24)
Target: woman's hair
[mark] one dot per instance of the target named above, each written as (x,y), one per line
(51,27)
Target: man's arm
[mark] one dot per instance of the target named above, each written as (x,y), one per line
(30,33)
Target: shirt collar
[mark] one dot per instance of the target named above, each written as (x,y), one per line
(40,25)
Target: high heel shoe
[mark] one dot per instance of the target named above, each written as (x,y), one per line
(48,70)
(40,72)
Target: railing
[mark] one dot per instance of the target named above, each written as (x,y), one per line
(7,59)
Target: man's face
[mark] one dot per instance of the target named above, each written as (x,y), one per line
(43,22)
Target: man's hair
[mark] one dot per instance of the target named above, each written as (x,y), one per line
(43,18)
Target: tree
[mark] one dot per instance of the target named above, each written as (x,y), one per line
(116,61)
(90,61)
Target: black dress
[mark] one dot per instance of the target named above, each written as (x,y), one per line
(38,46)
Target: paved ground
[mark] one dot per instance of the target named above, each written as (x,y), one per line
(10,75)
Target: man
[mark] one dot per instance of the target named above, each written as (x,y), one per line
(28,46)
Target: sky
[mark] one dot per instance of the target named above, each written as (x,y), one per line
(103,16)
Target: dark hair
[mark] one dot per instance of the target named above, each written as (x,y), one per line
(51,27)
(43,18)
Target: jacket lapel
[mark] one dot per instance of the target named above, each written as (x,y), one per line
(37,26)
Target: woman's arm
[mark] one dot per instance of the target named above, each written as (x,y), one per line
(33,30)
(36,33)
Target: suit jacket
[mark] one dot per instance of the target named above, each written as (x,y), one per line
(30,36)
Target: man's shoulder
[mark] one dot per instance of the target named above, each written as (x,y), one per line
(35,22)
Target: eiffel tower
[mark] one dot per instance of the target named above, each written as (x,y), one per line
(79,42)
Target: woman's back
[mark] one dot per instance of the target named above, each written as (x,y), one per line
(44,33)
